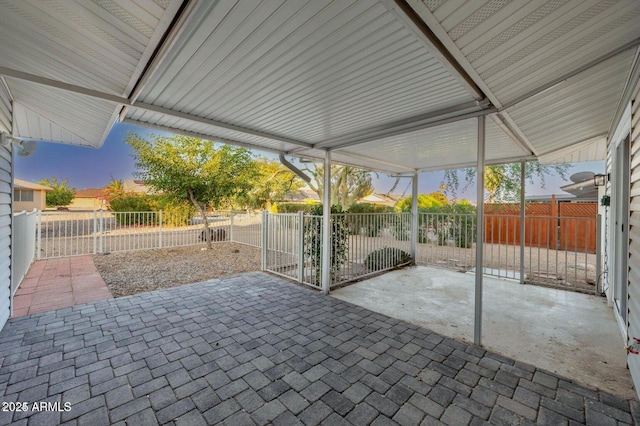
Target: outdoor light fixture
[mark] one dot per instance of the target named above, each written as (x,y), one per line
(600,180)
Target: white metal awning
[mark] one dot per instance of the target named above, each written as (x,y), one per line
(390,85)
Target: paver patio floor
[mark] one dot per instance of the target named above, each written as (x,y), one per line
(58,283)
(255,349)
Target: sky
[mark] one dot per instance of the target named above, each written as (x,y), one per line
(93,168)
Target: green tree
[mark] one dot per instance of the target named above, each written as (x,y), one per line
(194,170)
(273,181)
(348,184)
(425,201)
(114,189)
(502,182)
(62,193)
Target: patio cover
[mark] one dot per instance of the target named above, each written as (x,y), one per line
(386,85)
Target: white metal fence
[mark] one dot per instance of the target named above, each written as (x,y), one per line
(362,244)
(24,232)
(63,234)
(558,252)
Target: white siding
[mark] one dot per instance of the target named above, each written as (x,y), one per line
(5,234)
(633,304)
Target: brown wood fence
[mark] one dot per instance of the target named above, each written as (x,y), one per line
(562,226)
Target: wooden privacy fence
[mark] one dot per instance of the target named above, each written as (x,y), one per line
(561,226)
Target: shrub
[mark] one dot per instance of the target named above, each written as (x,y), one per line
(295,208)
(339,241)
(175,213)
(386,257)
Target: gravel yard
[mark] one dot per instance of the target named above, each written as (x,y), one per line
(131,272)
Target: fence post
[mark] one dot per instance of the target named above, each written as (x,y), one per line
(100,231)
(231,226)
(95,232)
(160,232)
(301,246)
(39,236)
(523,209)
(265,226)
(598,251)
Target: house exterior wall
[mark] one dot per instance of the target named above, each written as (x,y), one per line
(86,204)
(6,218)
(633,304)
(39,202)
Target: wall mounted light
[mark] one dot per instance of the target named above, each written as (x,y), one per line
(599,180)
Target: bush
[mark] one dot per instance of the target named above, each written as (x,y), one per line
(339,242)
(174,213)
(295,208)
(370,208)
(386,257)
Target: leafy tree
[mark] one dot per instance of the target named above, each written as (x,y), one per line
(273,181)
(194,170)
(502,182)
(62,193)
(348,184)
(114,189)
(425,201)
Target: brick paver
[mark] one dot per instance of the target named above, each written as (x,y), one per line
(254,349)
(58,283)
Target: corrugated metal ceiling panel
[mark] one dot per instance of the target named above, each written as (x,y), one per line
(518,46)
(451,144)
(576,110)
(312,71)
(5,109)
(204,130)
(101,45)
(592,150)
(81,119)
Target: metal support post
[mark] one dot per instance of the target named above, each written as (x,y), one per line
(39,236)
(301,246)
(95,232)
(100,230)
(414,217)
(477,333)
(523,208)
(265,239)
(326,224)
(599,254)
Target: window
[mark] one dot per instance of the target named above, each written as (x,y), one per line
(23,195)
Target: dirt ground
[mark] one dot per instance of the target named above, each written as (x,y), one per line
(131,272)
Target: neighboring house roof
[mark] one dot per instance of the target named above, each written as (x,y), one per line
(23,184)
(90,193)
(137,186)
(301,196)
(384,199)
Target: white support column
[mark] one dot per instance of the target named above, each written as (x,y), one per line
(326,224)
(477,332)
(414,217)
(523,207)
(265,239)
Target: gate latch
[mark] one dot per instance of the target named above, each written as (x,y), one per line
(634,348)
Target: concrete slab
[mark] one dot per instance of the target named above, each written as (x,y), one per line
(571,334)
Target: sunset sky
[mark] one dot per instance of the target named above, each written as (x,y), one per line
(93,168)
